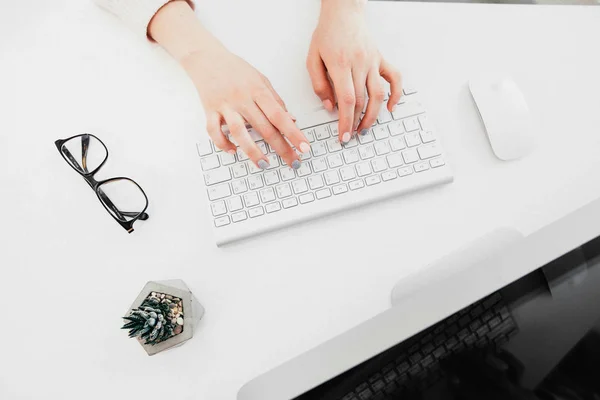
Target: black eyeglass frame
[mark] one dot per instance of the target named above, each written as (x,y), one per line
(114,212)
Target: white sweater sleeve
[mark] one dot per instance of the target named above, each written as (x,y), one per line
(135,13)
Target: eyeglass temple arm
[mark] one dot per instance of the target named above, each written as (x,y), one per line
(85,144)
(68,154)
(120,214)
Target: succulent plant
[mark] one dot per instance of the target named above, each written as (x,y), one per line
(153,321)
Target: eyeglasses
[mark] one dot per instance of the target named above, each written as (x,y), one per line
(122,197)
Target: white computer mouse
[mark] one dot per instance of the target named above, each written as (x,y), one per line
(505,114)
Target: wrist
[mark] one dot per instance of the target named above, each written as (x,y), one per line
(176,28)
(337,5)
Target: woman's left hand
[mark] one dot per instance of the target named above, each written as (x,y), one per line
(341,47)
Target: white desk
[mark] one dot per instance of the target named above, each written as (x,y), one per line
(69,271)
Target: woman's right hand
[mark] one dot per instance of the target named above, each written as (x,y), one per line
(233,93)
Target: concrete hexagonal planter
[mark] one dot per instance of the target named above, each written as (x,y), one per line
(192,312)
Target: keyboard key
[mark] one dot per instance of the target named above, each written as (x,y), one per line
(273,161)
(384,115)
(347,173)
(222,221)
(357,184)
(372,180)
(382,148)
(366,138)
(204,147)
(412,139)
(300,186)
(411,124)
(334,145)
(319,164)
(256,212)
(262,146)
(235,203)
(289,203)
(351,156)
(429,150)
(323,193)
(422,166)
(239,170)
(407,109)
(287,174)
(306,198)
(239,186)
(303,170)
(210,162)
(379,164)
(410,156)
(333,128)
(331,177)
(335,160)
(251,199)
(304,156)
(315,182)
(322,132)
(388,175)
(339,189)
(394,160)
(226,158)
(408,90)
(427,136)
(309,134)
(425,123)
(283,190)
(218,192)
(366,152)
(396,128)
(241,155)
(255,182)
(352,143)
(240,216)
(253,168)
(267,195)
(273,207)
(405,171)
(216,176)
(218,208)
(436,162)
(318,149)
(363,169)
(381,132)
(397,144)
(271,177)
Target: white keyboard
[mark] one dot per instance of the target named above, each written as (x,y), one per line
(399,154)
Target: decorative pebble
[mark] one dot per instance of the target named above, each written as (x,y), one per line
(151,322)
(179,321)
(178,329)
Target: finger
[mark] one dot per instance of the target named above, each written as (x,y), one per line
(319,79)
(277,98)
(376,96)
(393,76)
(259,121)
(213,127)
(344,90)
(237,127)
(360,78)
(282,121)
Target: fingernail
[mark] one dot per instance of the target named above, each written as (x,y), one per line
(231,151)
(296,164)
(394,108)
(292,116)
(262,164)
(364,132)
(328,105)
(346,137)
(304,147)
